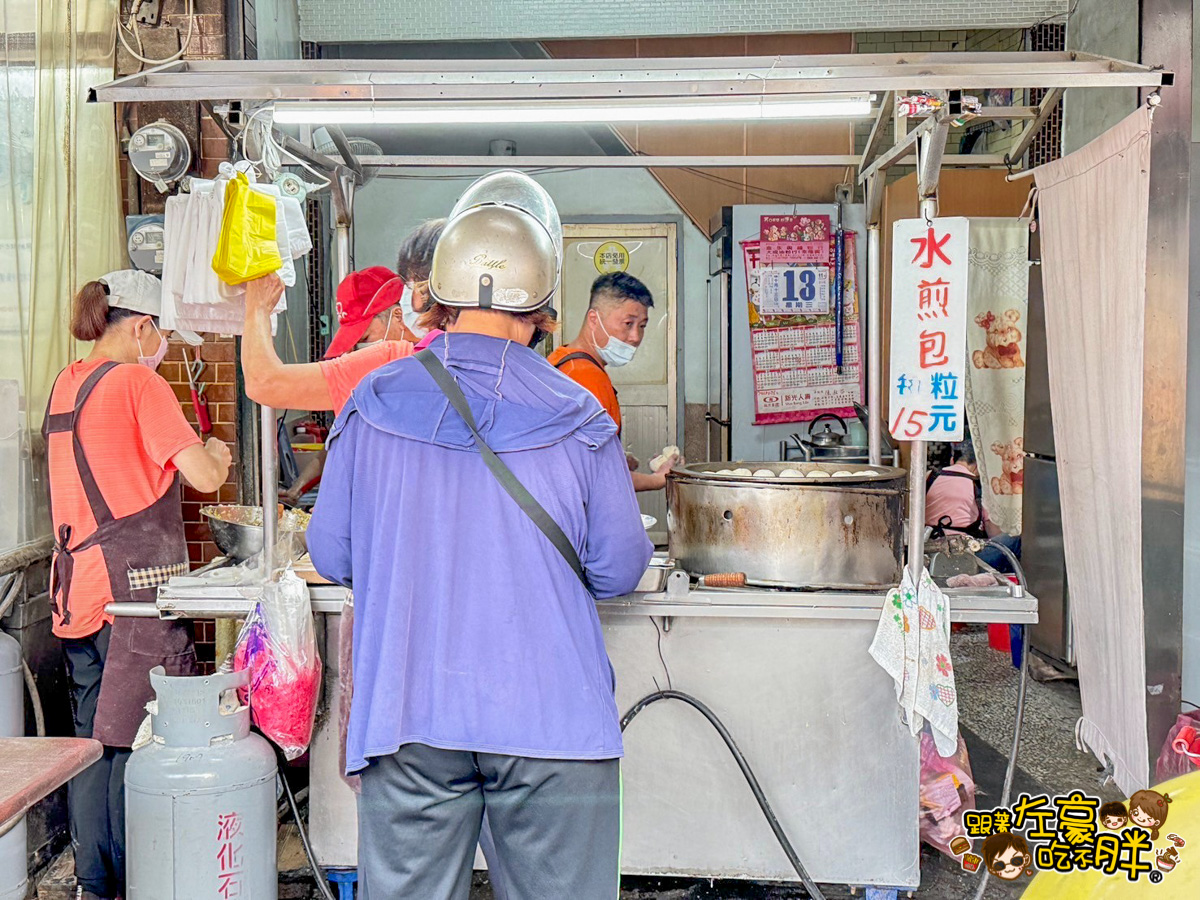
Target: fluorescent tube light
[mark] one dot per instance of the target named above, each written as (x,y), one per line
(352,112)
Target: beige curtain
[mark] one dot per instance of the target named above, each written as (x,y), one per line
(1093,212)
(60,219)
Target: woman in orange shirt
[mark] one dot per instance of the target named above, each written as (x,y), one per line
(116,444)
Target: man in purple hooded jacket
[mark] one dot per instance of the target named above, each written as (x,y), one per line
(481,678)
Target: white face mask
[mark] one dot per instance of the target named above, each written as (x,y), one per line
(153,362)
(411,316)
(362,345)
(616,352)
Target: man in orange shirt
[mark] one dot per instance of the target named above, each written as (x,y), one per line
(617,315)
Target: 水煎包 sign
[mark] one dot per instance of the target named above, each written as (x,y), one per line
(929,329)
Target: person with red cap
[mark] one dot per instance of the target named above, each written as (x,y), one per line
(378,310)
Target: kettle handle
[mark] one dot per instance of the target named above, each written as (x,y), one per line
(833,416)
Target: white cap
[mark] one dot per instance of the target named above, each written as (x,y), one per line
(140,292)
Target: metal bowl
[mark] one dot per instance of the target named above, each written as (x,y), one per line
(236,540)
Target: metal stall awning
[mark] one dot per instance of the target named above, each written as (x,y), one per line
(883,77)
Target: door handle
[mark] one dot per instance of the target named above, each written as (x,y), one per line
(709,417)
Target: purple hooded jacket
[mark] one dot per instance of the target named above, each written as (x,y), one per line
(470,630)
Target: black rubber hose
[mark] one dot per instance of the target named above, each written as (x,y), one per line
(747,773)
(318,875)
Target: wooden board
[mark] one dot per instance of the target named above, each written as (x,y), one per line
(31,768)
(304,568)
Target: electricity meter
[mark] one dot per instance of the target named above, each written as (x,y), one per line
(145,242)
(160,153)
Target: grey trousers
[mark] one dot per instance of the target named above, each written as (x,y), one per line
(555,824)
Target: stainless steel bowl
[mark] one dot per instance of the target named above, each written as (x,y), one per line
(237,541)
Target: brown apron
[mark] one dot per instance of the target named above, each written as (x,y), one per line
(141,551)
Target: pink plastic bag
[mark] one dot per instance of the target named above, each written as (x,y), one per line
(278,645)
(1174,759)
(947,791)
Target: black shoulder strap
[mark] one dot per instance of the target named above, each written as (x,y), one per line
(578,354)
(502,473)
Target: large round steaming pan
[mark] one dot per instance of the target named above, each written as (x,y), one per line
(792,532)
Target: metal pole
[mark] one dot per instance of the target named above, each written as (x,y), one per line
(874,350)
(916,469)
(269,481)
(916,509)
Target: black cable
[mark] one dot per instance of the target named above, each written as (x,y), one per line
(318,875)
(766,193)
(747,773)
(662,659)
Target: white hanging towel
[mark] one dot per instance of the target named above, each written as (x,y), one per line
(912,644)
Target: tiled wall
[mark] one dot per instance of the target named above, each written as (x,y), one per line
(455,20)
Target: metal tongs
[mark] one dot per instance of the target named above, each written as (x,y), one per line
(195,368)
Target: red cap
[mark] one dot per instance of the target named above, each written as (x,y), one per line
(360,298)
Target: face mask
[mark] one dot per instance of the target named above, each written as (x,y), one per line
(361,345)
(410,316)
(616,352)
(152,362)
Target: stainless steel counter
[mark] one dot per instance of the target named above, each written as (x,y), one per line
(789,675)
(966,604)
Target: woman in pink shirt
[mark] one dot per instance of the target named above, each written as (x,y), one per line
(375,308)
(952,503)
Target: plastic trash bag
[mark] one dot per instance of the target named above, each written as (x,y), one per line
(1181,750)
(278,645)
(247,246)
(947,791)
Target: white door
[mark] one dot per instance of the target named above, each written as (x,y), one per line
(647,386)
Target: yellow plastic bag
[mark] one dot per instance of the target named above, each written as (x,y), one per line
(247,247)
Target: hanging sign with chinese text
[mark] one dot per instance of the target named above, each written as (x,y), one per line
(929,329)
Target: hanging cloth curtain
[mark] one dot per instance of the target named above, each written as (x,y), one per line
(999,309)
(1094,215)
(60,219)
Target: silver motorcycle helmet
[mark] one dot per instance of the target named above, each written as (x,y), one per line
(501,248)
(508,187)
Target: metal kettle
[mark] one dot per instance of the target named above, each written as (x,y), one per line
(827,438)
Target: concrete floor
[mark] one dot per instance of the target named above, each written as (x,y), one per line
(1048,762)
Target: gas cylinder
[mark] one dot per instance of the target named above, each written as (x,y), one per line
(200,797)
(14,857)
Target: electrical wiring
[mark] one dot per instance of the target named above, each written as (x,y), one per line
(272,153)
(132,28)
(766,193)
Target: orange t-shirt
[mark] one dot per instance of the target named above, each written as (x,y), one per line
(343,373)
(592,376)
(131,428)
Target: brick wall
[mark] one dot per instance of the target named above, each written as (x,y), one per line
(334,21)
(218,353)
